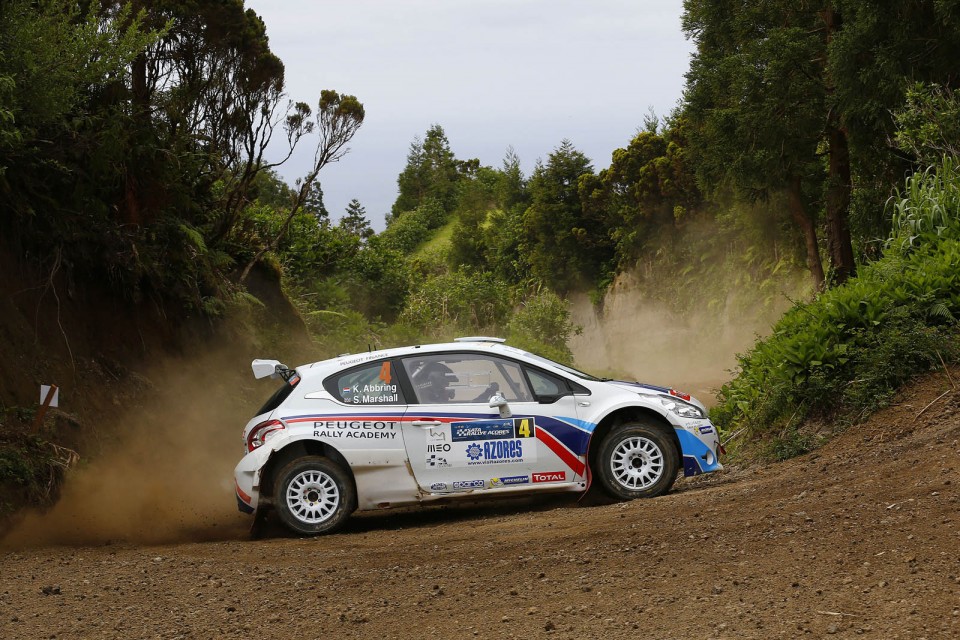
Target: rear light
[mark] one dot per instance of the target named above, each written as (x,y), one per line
(678,394)
(259,434)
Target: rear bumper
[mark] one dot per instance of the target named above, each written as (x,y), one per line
(247,483)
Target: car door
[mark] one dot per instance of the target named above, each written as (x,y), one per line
(456,442)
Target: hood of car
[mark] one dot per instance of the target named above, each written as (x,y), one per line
(639,387)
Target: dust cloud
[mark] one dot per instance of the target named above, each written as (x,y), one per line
(167,476)
(635,337)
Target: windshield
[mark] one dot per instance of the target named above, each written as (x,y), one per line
(562,367)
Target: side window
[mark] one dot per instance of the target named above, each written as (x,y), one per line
(545,384)
(370,384)
(465,378)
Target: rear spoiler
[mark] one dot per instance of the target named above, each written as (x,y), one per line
(273,369)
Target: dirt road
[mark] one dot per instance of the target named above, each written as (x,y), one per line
(859,539)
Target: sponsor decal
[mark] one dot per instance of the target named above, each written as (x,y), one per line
(435,462)
(438,486)
(364,358)
(355,424)
(442,448)
(437,435)
(474,452)
(706,429)
(505,481)
(524,428)
(362,429)
(497,452)
(469,484)
(549,476)
(369,435)
(481,430)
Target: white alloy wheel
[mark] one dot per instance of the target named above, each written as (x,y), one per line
(637,460)
(637,463)
(312,496)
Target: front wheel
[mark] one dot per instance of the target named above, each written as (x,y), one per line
(313,495)
(637,460)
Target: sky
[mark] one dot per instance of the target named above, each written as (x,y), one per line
(494,74)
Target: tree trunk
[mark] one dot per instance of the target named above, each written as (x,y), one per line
(838,207)
(808,225)
(839,242)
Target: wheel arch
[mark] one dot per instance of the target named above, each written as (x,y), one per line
(622,416)
(298,449)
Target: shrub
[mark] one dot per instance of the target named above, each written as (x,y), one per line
(844,354)
(542,325)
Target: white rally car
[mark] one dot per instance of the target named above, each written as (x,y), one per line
(421,424)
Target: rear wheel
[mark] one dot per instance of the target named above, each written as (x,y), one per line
(637,460)
(313,495)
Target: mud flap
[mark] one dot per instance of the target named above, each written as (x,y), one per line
(259,526)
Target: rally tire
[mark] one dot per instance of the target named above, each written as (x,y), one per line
(313,495)
(637,460)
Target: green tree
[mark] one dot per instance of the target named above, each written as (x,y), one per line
(355,220)
(431,172)
(648,186)
(476,199)
(756,102)
(555,236)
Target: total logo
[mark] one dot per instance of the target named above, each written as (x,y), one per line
(468,484)
(549,476)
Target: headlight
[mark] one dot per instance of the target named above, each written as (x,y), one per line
(681,408)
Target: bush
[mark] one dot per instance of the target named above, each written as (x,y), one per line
(467,301)
(542,325)
(843,355)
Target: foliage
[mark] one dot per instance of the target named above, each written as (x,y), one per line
(354,221)
(29,465)
(555,230)
(431,173)
(468,301)
(542,325)
(845,353)
(928,126)
(928,208)
(410,229)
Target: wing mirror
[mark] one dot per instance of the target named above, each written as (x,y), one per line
(265,368)
(498,401)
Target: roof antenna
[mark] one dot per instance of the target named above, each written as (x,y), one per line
(368,348)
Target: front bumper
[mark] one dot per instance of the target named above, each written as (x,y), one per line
(699,445)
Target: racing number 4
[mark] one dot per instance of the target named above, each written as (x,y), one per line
(385,372)
(523,428)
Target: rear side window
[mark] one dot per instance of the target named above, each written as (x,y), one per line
(370,384)
(279,396)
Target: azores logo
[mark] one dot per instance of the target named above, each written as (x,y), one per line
(474,452)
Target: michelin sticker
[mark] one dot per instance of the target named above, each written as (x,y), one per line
(506,481)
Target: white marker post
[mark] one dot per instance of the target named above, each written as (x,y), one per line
(49,397)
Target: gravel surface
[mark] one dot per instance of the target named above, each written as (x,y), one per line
(858,539)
